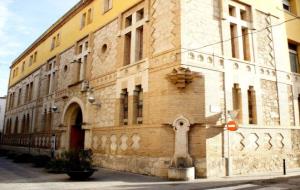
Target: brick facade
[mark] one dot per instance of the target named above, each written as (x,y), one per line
(176,36)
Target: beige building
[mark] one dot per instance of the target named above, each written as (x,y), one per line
(151,84)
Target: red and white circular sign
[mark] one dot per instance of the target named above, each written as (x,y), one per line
(232,126)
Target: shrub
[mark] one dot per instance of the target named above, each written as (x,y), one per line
(56,166)
(41,160)
(78,160)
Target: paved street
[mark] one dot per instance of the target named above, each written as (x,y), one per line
(23,176)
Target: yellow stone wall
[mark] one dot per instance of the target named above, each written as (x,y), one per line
(70,33)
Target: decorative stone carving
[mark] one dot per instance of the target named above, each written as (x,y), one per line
(113,145)
(267,141)
(181,157)
(124,145)
(103,142)
(181,77)
(136,142)
(182,164)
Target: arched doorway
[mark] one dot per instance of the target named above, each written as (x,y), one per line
(75,120)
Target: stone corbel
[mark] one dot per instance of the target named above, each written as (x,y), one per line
(181,77)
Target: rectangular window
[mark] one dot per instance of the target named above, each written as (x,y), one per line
(140,15)
(124,107)
(237,102)
(90,16)
(127,49)
(139,104)
(86,45)
(80,49)
(19,96)
(234,41)
(232,11)
(23,66)
(57,40)
(30,91)
(239,32)
(252,105)
(27,93)
(30,60)
(139,43)
(294,58)
(128,21)
(48,84)
(35,57)
(83,19)
(107,5)
(53,43)
(246,45)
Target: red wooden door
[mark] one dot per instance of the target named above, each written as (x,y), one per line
(77,137)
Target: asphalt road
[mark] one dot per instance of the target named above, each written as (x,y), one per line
(23,176)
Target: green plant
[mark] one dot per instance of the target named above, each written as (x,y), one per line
(56,166)
(78,160)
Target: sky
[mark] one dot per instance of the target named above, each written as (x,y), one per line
(21,23)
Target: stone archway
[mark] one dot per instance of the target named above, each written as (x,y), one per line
(74,119)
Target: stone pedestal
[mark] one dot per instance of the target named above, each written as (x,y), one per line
(181,174)
(182,164)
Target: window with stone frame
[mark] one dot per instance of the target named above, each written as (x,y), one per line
(89,16)
(57,43)
(19,96)
(239,17)
(23,66)
(53,42)
(138,104)
(237,102)
(35,56)
(252,105)
(12,100)
(107,5)
(82,55)
(133,34)
(124,107)
(27,93)
(30,92)
(83,21)
(294,59)
(30,60)
(50,75)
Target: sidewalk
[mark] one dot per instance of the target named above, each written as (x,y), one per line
(23,176)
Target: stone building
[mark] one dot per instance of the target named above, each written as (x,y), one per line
(150,84)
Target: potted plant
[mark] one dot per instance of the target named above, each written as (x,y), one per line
(78,164)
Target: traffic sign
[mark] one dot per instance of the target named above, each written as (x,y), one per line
(232,126)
